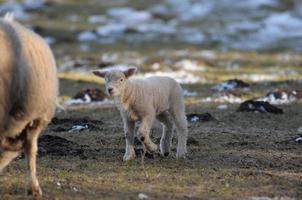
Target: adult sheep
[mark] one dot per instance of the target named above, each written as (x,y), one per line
(28,91)
(145,100)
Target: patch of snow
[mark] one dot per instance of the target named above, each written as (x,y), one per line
(71,102)
(33,4)
(260,77)
(180,76)
(208,54)
(142,196)
(194,119)
(222,107)
(187,10)
(50,40)
(93,19)
(189,93)
(87,36)
(14,7)
(111,29)
(78,128)
(299,139)
(118,67)
(129,16)
(189,65)
(74,18)
(191,35)
(222,99)
(229,99)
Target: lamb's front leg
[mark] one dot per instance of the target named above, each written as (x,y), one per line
(129,127)
(144,132)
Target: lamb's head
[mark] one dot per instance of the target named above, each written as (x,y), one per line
(115,79)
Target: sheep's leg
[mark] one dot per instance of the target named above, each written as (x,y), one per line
(179,116)
(10,149)
(144,132)
(129,127)
(6,157)
(166,138)
(31,147)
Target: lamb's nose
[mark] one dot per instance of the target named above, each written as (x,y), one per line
(110,90)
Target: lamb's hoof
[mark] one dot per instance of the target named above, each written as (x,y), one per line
(180,155)
(129,156)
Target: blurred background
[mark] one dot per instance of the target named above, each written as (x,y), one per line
(194,41)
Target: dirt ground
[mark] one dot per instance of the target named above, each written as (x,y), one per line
(237,156)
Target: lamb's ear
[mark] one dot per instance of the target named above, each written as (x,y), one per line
(100,73)
(130,71)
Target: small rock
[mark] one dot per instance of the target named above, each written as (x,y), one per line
(204,117)
(259,106)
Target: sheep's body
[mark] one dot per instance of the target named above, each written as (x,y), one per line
(146,100)
(28,90)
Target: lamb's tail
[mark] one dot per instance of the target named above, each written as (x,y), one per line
(9,17)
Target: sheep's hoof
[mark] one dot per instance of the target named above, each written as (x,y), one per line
(180,155)
(36,192)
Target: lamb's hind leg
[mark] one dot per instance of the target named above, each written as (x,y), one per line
(31,147)
(144,132)
(166,138)
(181,126)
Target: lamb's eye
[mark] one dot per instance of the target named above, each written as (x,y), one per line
(121,80)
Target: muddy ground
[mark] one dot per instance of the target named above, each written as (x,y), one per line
(237,156)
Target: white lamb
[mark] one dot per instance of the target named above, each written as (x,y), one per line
(145,100)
